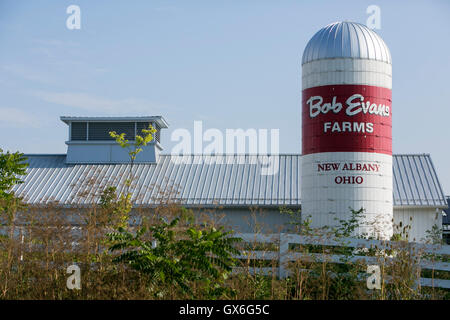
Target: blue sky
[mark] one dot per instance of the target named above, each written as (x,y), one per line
(231,64)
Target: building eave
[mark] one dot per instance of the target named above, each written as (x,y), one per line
(158,119)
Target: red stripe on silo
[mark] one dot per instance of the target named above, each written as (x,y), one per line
(324,130)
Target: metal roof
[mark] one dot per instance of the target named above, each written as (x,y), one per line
(346,40)
(225,180)
(415,181)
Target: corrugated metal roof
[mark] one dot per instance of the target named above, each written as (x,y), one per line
(415,181)
(227,180)
(346,40)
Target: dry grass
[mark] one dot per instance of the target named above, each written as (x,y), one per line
(39,243)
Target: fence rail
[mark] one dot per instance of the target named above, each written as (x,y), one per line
(285,255)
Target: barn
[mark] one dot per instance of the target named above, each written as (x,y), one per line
(231,184)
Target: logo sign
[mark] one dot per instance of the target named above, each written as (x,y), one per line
(347,118)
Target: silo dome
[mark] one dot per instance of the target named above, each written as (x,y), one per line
(346,40)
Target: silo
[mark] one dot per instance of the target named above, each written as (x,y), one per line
(347,128)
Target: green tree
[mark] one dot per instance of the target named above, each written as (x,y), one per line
(121,207)
(182,255)
(178,258)
(12,167)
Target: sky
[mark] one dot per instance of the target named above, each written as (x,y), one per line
(230,64)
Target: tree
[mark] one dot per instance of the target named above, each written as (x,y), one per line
(167,254)
(122,207)
(178,258)
(136,147)
(12,166)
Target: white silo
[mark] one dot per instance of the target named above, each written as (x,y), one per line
(347,128)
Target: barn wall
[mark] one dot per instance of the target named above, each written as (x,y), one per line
(423,219)
(254,220)
(270,220)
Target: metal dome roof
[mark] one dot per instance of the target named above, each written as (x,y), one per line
(346,40)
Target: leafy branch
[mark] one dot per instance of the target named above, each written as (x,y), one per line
(179,256)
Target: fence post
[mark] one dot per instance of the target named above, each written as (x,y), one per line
(284,248)
(22,238)
(413,255)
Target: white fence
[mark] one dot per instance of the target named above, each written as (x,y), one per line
(284,254)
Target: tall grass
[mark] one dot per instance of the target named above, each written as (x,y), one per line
(38,243)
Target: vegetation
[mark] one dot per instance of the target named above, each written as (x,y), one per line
(164,252)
